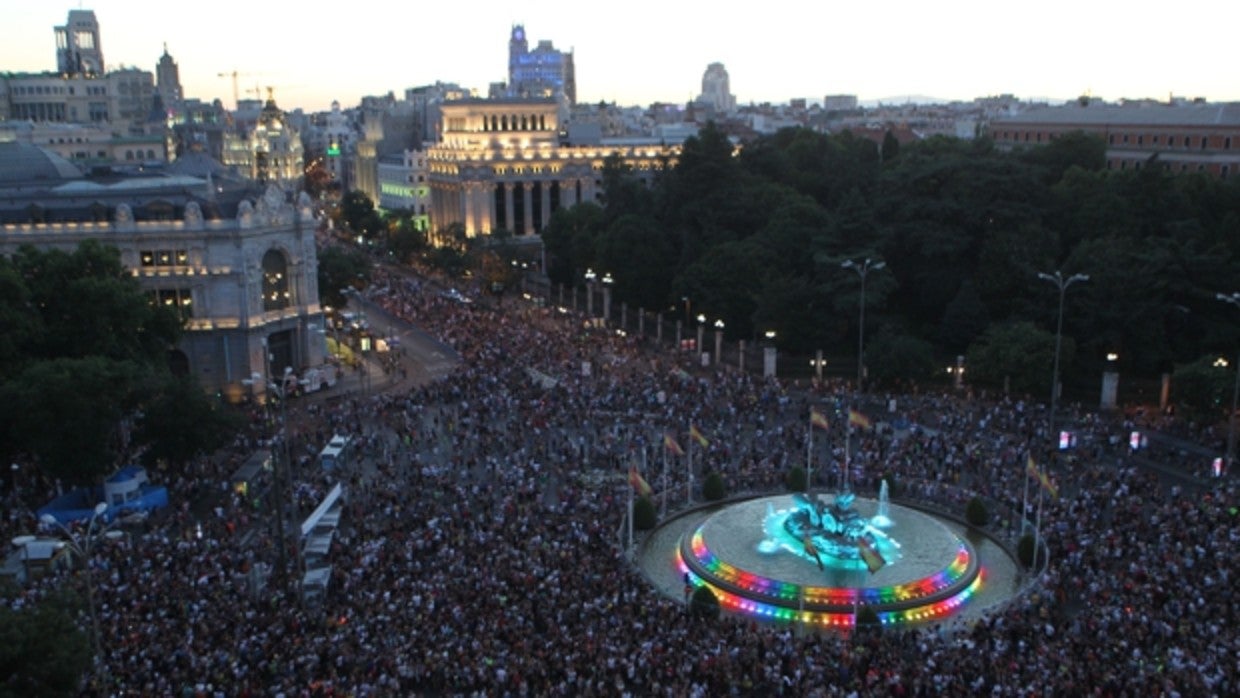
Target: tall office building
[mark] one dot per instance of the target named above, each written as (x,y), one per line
(541,73)
(168,80)
(78,49)
(715,89)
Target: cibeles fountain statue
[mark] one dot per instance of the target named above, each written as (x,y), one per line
(829,534)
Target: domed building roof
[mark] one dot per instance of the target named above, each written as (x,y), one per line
(196,163)
(27,163)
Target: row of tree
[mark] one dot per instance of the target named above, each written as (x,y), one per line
(756,236)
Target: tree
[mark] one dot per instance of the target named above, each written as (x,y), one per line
(90,305)
(569,240)
(890,149)
(1203,388)
(43,652)
(713,487)
(964,320)
(895,356)
(704,604)
(340,268)
(1018,355)
(67,413)
(182,423)
(358,213)
(975,512)
(797,479)
(645,516)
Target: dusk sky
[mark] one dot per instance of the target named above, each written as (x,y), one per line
(642,51)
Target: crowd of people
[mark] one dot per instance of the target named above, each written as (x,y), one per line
(478,554)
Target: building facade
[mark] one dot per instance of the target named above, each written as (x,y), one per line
(245,284)
(499,165)
(269,152)
(1182,138)
(542,73)
(404,183)
(717,89)
(168,81)
(79,48)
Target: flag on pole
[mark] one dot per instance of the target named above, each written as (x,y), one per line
(812,550)
(638,482)
(873,559)
(857,419)
(1040,475)
(818,419)
(697,436)
(669,442)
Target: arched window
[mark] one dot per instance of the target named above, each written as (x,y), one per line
(276,295)
(504,122)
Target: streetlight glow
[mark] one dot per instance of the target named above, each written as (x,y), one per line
(1234,299)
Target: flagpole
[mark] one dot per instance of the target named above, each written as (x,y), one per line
(1037,527)
(847,455)
(1024,498)
(663,496)
(809,454)
(689,473)
(631,488)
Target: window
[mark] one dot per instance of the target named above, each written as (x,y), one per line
(1170,140)
(276,295)
(1140,140)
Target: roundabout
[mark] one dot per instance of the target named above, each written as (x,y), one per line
(905,565)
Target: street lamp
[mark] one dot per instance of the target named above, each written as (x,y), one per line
(817,363)
(718,341)
(590,277)
(607,282)
(768,355)
(1062,284)
(862,270)
(83,546)
(701,320)
(1234,299)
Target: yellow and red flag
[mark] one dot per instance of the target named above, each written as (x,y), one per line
(873,559)
(818,419)
(697,436)
(638,482)
(669,442)
(857,419)
(1040,475)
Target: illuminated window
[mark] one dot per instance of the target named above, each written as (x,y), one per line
(276,295)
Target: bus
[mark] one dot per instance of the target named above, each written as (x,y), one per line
(335,453)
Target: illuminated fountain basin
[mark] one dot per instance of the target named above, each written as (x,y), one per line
(935,574)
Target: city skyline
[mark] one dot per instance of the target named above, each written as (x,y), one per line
(658,52)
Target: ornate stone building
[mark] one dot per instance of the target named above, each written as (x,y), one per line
(500,165)
(269,152)
(241,271)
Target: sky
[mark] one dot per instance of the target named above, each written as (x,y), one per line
(641,51)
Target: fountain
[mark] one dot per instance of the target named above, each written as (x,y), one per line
(798,558)
(883,518)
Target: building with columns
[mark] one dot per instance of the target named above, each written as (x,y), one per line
(500,165)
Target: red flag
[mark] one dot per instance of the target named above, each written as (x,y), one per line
(697,436)
(670,444)
(873,559)
(818,419)
(857,419)
(638,482)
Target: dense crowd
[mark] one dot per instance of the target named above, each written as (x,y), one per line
(478,552)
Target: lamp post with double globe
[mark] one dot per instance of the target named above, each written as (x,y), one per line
(863,269)
(1062,283)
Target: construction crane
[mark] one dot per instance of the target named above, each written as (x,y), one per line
(236,91)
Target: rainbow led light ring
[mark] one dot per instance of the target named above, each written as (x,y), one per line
(741,591)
